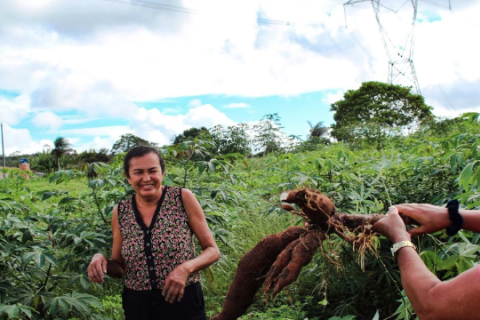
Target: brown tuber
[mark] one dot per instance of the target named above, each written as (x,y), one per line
(252,268)
(317,207)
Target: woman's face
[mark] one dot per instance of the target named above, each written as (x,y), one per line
(146,175)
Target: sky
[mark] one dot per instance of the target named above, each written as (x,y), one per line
(92,70)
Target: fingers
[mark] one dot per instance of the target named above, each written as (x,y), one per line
(97,269)
(175,284)
(411,210)
(392,226)
(95,274)
(173,292)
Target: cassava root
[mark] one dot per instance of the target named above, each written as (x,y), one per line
(276,261)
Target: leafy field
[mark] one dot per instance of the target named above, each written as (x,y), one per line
(51,227)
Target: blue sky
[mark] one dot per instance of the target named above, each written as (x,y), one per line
(92,70)
(294,111)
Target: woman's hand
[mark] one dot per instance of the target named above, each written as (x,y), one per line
(175,284)
(430,218)
(97,268)
(392,226)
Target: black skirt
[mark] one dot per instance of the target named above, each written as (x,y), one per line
(151,305)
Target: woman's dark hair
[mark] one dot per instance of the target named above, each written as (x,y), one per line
(139,151)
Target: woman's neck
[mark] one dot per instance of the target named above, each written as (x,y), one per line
(149,201)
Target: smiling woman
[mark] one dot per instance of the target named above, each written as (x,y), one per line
(153,244)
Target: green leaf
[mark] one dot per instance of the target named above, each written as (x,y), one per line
(67,200)
(50,259)
(430,259)
(27,256)
(212,166)
(453,161)
(96,183)
(448,263)
(463,264)
(202,167)
(47,195)
(466,175)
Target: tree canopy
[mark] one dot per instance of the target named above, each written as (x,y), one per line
(233,139)
(378,104)
(128,141)
(61,146)
(268,133)
(190,134)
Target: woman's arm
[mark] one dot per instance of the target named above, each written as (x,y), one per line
(175,282)
(431,298)
(114,267)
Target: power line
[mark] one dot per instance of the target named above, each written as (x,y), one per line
(288,23)
(446,98)
(155,5)
(159,6)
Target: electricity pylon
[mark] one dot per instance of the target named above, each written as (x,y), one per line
(400,57)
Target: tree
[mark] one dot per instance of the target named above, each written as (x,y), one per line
(61,146)
(268,134)
(318,130)
(380,106)
(128,141)
(192,133)
(92,155)
(233,139)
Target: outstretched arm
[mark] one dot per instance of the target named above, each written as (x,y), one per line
(431,298)
(175,282)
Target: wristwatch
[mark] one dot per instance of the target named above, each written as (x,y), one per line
(397,246)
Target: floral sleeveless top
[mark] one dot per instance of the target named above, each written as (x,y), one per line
(151,253)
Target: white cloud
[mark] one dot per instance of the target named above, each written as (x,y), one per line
(207,116)
(235,105)
(334,97)
(160,128)
(20,140)
(12,111)
(97,143)
(96,58)
(65,68)
(96,137)
(195,103)
(116,131)
(47,119)
(448,112)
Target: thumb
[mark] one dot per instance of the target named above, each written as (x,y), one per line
(417,231)
(392,209)
(104,265)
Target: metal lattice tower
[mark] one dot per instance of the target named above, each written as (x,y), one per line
(400,57)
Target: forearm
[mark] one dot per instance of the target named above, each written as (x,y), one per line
(418,282)
(431,298)
(471,220)
(205,259)
(115,268)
